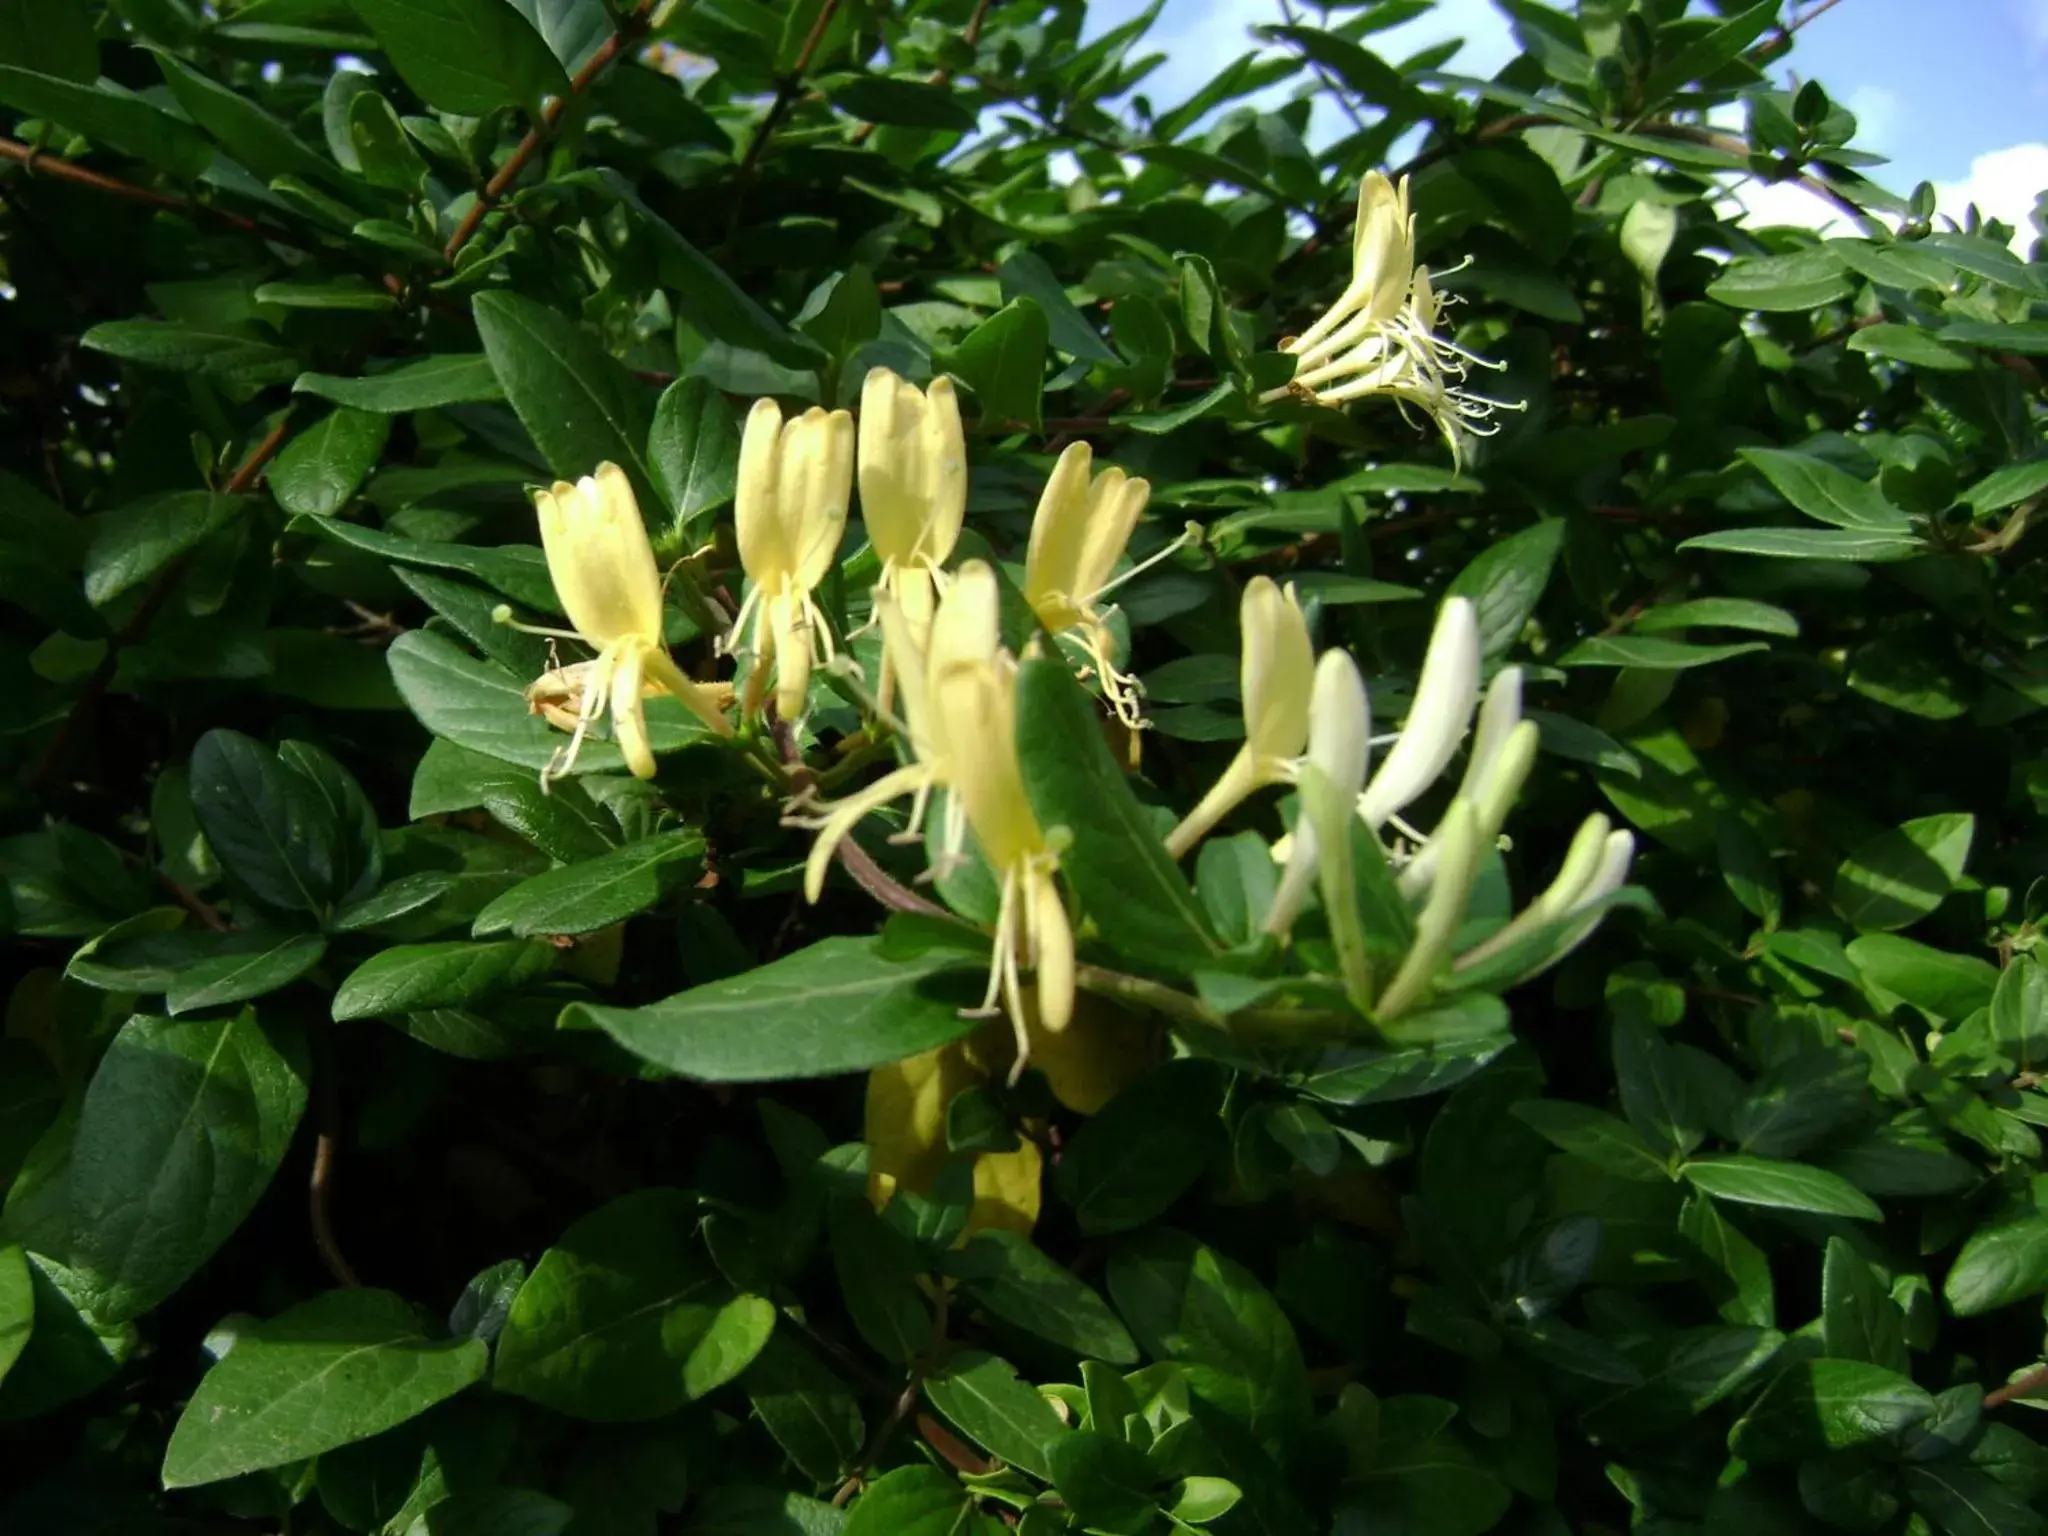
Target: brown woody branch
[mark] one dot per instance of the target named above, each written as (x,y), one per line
(631,28)
(37,163)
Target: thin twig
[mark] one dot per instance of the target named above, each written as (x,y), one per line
(2033,1381)
(631,28)
(320,1186)
(904,1406)
(785,96)
(38,164)
(970,35)
(880,884)
(61,744)
(1330,81)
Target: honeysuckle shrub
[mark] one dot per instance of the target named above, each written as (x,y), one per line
(800,769)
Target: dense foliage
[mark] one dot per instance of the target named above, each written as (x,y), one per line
(410,1124)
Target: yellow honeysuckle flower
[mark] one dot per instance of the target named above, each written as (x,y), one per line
(959,700)
(1275,679)
(795,478)
(1381,336)
(1101,1052)
(603,570)
(913,485)
(1078,534)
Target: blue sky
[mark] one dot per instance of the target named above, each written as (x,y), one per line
(1953,91)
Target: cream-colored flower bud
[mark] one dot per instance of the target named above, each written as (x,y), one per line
(795,480)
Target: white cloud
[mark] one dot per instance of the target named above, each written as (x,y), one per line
(1879,117)
(2003,183)
(1787,203)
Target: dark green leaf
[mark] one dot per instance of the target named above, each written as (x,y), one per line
(330,1371)
(1898,877)
(627,1317)
(836,1006)
(1784,1186)
(137,541)
(269,825)
(693,451)
(579,405)
(1015,1281)
(321,468)
(181,1129)
(235,978)
(1003,361)
(981,1397)
(905,103)
(115,118)
(422,385)
(467,56)
(1129,1163)
(1116,861)
(1505,581)
(1107,1483)
(416,976)
(582,898)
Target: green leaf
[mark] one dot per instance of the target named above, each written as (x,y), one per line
(693,451)
(1504,582)
(518,570)
(483,707)
(1710,52)
(1816,1406)
(1116,861)
(1781,1186)
(1802,281)
(1187,1303)
(878,1272)
(703,292)
(1859,1319)
(1013,1279)
(626,1317)
(2029,337)
(17,1307)
(1998,1266)
(903,103)
(384,153)
(1945,984)
(1910,344)
(1372,77)
(333,1370)
(419,976)
(466,56)
(1900,876)
(1026,275)
(1827,495)
(812,1414)
(240,363)
(1658,1095)
(582,898)
(496,1512)
(981,1396)
(834,1007)
(235,978)
(115,118)
(135,542)
(1807,544)
(348,293)
(2009,485)
(269,826)
(425,384)
(1965,1502)
(51,37)
(181,1129)
(2019,1013)
(1718,613)
(1600,1139)
(321,468)
(1651,652)
(1003,361)
(916,1501)
(580,407)
(246,131)
(1133,1159)
(1106,1482)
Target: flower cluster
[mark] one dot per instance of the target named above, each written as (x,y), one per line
(1382,337)
(1319,739)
